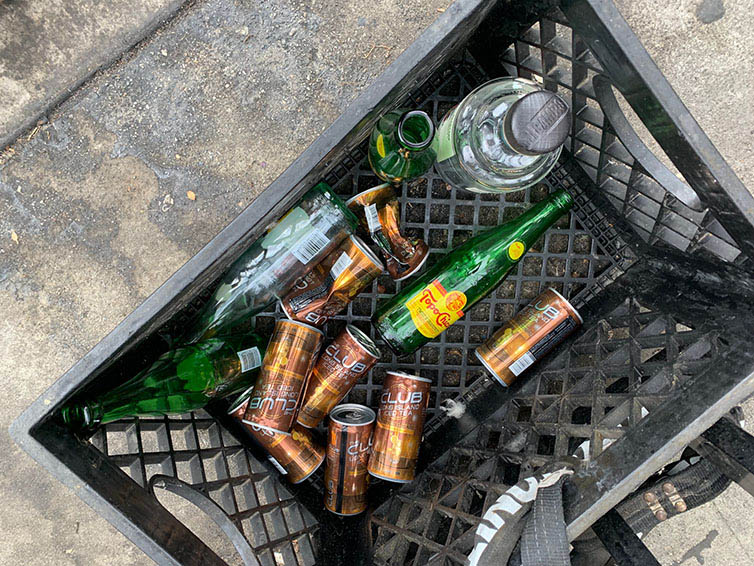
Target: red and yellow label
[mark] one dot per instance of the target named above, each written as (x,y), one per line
(433,309)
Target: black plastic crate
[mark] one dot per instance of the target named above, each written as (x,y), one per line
(661,272)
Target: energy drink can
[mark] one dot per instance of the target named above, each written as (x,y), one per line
(379,213)
(348,447)
(287,363)
(351,355)
(398,432)
(538,328)
(294,453)
(333,283)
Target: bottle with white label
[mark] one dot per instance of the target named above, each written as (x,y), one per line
(181,380)
(268,270)
(506,135)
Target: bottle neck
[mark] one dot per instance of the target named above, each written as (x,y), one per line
(532,223)
(83,416)
(415,131)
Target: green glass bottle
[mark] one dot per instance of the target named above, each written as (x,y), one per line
(181,380)
(400,145)
(440,296)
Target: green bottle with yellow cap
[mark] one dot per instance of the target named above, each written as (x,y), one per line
(446,291)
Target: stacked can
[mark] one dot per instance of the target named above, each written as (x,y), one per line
(342,363)
(295,453)
(287,364)
(348,448)
(330,286)
(538,328)
(398,432)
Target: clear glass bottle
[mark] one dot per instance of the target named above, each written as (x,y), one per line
(269,268)
(504,136)
(400,147)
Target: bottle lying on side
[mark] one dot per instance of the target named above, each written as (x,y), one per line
(181,380)
(290,249)
(442,294)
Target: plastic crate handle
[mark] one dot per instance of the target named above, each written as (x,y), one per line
(639,151)
(211,509)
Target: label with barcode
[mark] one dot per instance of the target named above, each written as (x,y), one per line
(309,246)
(522,363)
(340,265)
(373,218)
(250,359)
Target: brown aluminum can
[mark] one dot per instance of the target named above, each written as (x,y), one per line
(351,355)
(379,213)
(287,364)
(538,328)
(295,453)
(348,447)
(400,422)
(327,289)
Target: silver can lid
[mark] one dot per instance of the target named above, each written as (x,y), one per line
(352,414)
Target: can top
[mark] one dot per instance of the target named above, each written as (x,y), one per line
(296,322)
(363,248)
(409,376)
(363,340)
(352,414)
(566,301)
(240,400)
(377,188)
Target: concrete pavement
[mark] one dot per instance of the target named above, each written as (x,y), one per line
(219,100)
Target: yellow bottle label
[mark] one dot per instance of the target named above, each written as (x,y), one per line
(381,145)
(433,309)
(516,250)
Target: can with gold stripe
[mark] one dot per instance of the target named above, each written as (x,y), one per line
(529,336)
(400,422)
(296,453)
(348,446)
(349,357)
(279,389)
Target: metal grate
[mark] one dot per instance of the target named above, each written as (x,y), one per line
(551,54)
(616,372)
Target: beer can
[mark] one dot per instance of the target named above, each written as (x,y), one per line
(398,432)
(287,363)
(333,283)
(538,328)
(348,446)
(351,355)
(295,453)
(378,211)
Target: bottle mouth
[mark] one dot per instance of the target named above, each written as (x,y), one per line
(415,130)
(78,417)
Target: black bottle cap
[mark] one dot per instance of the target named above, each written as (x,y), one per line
(538,123)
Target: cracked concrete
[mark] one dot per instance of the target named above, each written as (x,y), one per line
(219,101)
